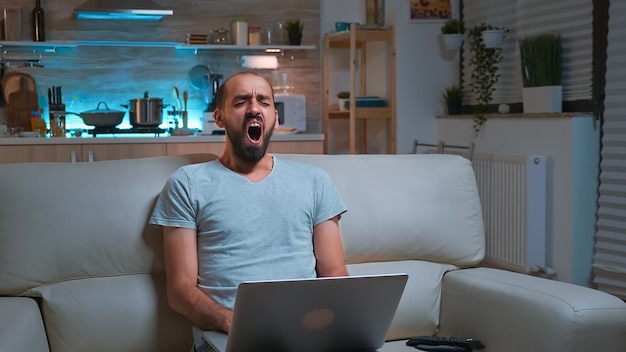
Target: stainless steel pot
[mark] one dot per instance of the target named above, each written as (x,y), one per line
(146,111)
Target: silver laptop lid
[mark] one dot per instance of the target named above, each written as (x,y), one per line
(350,313)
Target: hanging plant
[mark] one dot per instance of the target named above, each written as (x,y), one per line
(484,63)
(453,31)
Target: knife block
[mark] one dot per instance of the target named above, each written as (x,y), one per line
(57,120)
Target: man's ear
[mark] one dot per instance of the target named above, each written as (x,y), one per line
(218,118)
(277,123)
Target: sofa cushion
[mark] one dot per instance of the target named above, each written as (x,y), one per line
(407,207)
(418,311)
(118,313)
(540,315)
(77,220)
(21,327)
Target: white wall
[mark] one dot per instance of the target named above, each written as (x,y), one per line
(572,144)
(423,70)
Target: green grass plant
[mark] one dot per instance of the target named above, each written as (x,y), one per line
(542,60)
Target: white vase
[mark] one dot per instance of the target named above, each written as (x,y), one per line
(342,104)
(452,41)
(543,99)
(492,38)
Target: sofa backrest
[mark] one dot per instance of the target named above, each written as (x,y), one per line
(406,207)
(76,234)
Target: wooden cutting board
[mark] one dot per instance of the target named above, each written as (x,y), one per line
(20,104)
(11,83)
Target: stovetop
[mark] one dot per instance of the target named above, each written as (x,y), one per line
(114,130)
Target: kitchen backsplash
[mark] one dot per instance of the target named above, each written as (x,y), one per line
(117,74)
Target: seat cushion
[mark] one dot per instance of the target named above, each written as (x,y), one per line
(21,327)
(118,313)
(418,311)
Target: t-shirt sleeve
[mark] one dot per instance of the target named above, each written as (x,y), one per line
(328,200)
(174,206)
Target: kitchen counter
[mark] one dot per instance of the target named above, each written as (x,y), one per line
(148,139)
(128,146)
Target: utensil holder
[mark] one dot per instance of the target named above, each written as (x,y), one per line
(57,120)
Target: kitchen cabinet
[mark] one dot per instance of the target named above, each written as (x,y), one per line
(356,40)
(23,150)
(38,153)
(195,148)
(100,152)
(78,153)
(279,147)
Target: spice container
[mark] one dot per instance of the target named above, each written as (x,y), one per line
(38,124)
(239,30)
(254,35)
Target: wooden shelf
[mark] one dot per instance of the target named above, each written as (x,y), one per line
(362,113)
(358,38)
(52,44)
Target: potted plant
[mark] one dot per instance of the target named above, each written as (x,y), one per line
(484,64)
(294,31)
(343,99)
(452,31)
(453,96)
(542,64)
(492,36)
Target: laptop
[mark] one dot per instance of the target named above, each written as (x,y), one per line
(339,314)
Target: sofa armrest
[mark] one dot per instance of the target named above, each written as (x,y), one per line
(21,326)
(515,312)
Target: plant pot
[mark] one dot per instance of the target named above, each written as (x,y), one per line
(452,41)
(492,38)
(454,107)
(342,104)
(543,99)
(295,38)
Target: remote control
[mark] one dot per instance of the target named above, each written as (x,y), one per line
(438,343)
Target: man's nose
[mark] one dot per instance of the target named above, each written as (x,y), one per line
(254,106)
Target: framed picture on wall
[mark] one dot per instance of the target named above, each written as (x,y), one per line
(375,12)
(421,11)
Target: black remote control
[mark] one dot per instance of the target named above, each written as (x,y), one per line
(438,343)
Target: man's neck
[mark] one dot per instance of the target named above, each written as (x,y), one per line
(255,172)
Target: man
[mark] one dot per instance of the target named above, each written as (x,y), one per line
(246,216)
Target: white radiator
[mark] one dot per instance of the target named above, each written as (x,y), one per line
(513,193)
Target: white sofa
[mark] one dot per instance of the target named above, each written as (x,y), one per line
(80,269)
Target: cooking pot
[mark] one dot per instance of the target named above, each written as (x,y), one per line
(146,111)
(102,117)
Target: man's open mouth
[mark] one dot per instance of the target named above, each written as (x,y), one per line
(254,132)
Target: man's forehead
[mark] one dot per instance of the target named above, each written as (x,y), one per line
(246,83)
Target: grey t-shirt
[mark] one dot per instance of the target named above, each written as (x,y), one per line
(249,231)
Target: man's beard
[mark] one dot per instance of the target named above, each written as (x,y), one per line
(247,153)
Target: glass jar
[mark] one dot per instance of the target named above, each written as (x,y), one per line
(219,36)
(278,34)
(254,35)
(239,29)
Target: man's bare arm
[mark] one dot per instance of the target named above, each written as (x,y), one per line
(183,294)
(328,249)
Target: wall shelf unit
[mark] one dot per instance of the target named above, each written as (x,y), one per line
(51,45)
(356,41)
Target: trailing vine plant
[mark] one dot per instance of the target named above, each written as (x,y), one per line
(484,62)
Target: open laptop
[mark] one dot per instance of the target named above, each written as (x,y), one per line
(341,314)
